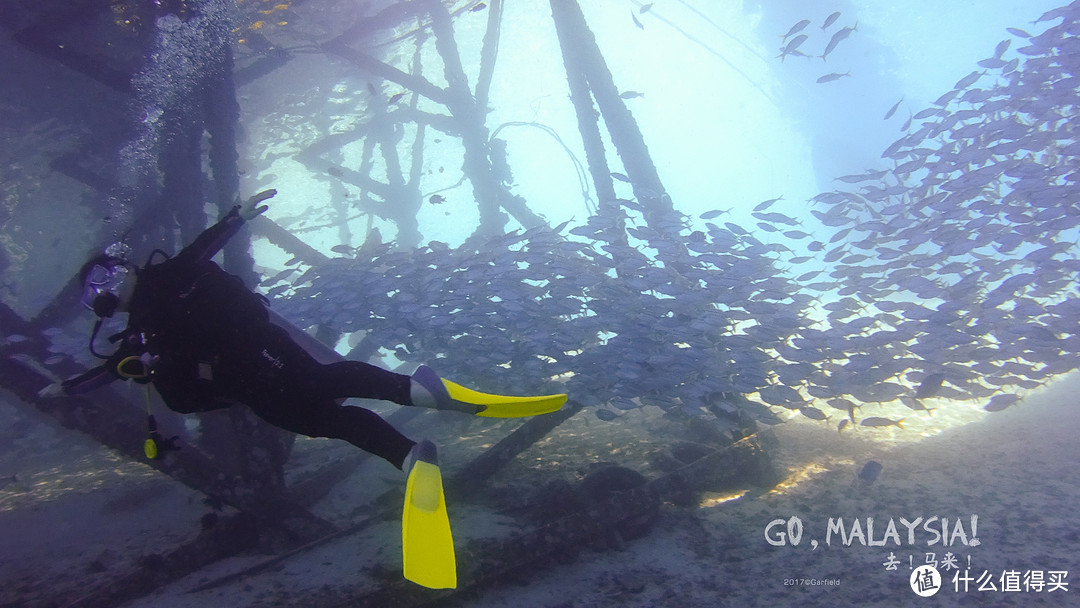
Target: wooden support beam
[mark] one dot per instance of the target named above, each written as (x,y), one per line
(287,240)
(58,35)
(473,475)
(265,64)
(86,166)
(371,65)
(122,426)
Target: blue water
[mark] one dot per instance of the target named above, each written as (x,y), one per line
(872,254)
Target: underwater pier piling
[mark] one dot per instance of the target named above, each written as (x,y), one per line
(587,115)
(589,128)
(466,120)
(221,117)
(585,66)
(474,136)
(196,99)
(154,212)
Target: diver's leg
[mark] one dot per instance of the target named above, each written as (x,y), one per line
(361,380)
(360,427)
(274,363)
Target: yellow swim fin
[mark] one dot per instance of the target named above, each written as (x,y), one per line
(443,394)
(503,406)
(426,543)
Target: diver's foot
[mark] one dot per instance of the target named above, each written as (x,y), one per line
(426,388)
(422,451)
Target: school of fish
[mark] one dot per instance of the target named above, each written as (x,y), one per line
(953,275)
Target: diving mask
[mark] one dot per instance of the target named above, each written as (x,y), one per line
(103,281)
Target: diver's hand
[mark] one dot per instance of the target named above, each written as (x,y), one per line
(251,208)
(52,391)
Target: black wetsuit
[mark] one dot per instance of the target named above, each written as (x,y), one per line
(215,346)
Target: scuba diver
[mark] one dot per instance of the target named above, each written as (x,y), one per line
(205,341)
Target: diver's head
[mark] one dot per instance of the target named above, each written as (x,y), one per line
(108,282)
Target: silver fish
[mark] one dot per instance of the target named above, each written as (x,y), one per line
(833,76)
(893,109)
(795,29)
(830,20)
(1000,402)
(879,421)
(836,39)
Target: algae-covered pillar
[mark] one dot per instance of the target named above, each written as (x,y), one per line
(222,114)
(587,72)
(184,93)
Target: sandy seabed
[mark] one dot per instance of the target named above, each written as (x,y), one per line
(79,515)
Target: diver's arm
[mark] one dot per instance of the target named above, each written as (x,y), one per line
(207,244)
(89,380)
(98,376)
